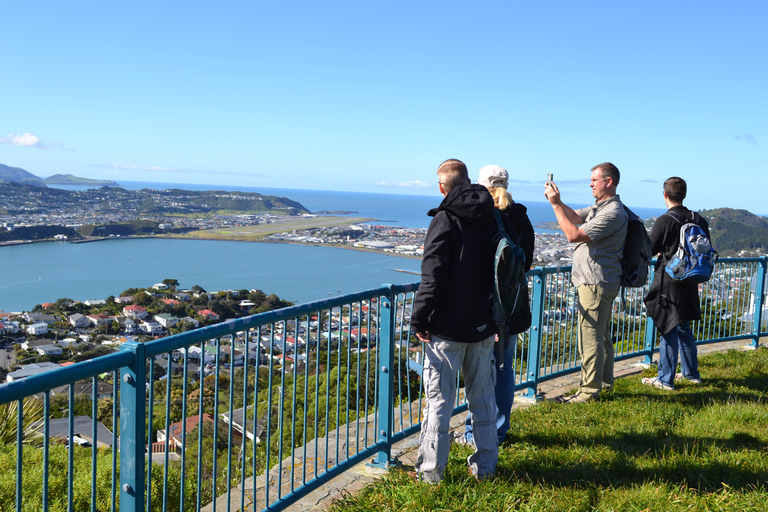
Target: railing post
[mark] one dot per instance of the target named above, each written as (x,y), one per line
(385,413)
(650,325)
(757,314)
(535,335)
(133,428)
(650,341)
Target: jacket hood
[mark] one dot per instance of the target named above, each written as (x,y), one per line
(471,203)
(516,209)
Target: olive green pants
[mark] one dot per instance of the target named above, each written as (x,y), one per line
(595,345)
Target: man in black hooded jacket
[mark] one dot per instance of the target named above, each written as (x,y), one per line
(452,314)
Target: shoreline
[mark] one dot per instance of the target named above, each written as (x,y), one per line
(181,237)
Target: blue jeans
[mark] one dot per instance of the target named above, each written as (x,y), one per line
(505,394)
(682,337)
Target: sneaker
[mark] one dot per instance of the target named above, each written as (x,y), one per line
(692,380)
(577,398)
(462,438)
(656,383)
(477,477)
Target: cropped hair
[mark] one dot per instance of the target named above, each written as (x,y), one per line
(676,189)
(452,173)
(608,170)
(501,198)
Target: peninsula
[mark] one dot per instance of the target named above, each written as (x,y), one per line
(69,179)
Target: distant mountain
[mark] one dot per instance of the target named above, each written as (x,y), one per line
(68,179)
(8,174)
(734,231)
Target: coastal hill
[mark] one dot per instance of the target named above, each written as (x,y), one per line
(17,174)
(25,199)
(69,179)
(734,231)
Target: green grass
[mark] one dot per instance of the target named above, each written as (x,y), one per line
(702,447)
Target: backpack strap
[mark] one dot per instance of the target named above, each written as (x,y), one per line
(676,217)
(499,221)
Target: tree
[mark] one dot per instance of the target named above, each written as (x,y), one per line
(143,299)
(171,283)
(32,412)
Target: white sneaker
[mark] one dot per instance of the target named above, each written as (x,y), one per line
(692,380)
(656,383)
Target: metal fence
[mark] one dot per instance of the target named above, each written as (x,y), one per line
(259,411)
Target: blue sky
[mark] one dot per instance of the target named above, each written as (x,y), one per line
(368,96)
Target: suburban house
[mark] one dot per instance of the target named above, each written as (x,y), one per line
(85,387)
(175,431)
(170,302)
(9,327)
(37,329)
(126,323)
(78,321)
(183,297)
(29,370)
(49,350)
(242,423)
(66,342)
(95,302)
(160,286)
(32,318)
(135,312)
(207,313)
(58,428)
(233,356)
(100,319)
(193,322)
(124,300)
(151,327)
(166,320)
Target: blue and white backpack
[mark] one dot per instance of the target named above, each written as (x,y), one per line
(695,258)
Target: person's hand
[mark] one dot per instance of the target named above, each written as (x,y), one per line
(424,336)
(551,192)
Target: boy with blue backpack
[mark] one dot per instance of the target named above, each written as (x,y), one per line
(681,239)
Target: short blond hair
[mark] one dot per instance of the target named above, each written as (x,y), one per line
(452,173)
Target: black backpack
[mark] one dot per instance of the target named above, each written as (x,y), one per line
(637,252)
(510,287)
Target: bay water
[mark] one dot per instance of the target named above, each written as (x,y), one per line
(44,272)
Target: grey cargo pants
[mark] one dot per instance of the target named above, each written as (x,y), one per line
(441,363)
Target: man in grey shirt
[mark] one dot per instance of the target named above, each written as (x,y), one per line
(600,231)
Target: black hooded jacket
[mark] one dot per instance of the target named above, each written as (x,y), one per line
(671,302)
(455,296)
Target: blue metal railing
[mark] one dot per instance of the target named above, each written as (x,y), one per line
(259,411)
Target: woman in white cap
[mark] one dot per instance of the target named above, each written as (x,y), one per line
(496,180)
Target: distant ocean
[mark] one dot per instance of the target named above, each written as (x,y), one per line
(45,272)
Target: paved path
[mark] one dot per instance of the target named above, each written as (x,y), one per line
(404,451)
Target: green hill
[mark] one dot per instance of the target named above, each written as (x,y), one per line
(69,179)
(8,174)
(734,231)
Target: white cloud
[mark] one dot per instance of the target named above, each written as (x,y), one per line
(408,184)
(140,167)
(28,140)
(21,139)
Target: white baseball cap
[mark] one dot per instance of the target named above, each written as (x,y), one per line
(493,176)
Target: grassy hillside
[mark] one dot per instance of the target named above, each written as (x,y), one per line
(736,230)
(8,173)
